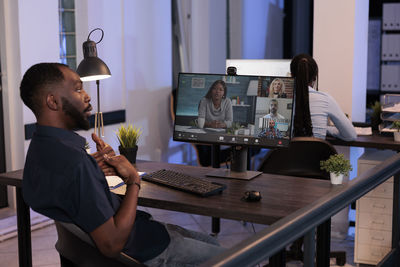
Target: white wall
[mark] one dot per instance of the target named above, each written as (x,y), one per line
(208,36)
(359,88)
(137,49)
(39,39)
(31,36)
(11,75)
(148,67)
(340,49)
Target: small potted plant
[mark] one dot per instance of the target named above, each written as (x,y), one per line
(338,166)
(396,134)
(128,137)
(87,147)
(234,128)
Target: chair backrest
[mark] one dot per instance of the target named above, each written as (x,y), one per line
(78,248)
(301,158)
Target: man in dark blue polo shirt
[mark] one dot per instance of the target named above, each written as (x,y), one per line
(66,184)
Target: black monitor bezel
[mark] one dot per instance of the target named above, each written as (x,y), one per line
(284,142)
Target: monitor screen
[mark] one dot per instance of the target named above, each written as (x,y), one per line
(234,110)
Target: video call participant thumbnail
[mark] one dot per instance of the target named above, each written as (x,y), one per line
(277,89)
(215,109)
(271,132)
(273,110)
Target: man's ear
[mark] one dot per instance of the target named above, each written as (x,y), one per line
(51,102)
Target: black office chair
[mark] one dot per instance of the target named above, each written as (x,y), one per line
(76,248)
(302,158)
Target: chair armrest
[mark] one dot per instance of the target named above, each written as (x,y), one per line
(78,232)
(77,246)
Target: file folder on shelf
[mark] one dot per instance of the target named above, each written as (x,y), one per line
(390,81)
(391,47)
(391,16)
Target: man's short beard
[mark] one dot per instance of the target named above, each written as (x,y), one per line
(80,121)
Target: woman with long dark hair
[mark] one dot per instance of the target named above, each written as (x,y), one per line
(215,109)
(314,108)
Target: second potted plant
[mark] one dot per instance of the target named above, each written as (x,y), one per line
(128,137)
(338,166)
(396,134)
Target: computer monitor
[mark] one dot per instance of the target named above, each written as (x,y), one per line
(237,110)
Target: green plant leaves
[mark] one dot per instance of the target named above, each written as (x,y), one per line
(337,164)
(396,125)
(128,136)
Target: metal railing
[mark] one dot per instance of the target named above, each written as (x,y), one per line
(274,238)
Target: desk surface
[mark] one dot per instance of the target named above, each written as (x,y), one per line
(375,140)
(281,195)
(13,178)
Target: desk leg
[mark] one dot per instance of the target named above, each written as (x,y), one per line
(24,231)
(396,209)
(309,248)
(215,226)
(324,243)
(215,222)
(278,259)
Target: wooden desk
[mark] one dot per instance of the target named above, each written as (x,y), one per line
(281,195)
(375,140)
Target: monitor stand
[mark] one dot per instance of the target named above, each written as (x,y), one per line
(238,166)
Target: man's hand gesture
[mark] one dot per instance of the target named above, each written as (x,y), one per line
(103,149)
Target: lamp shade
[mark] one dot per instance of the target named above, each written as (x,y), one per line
(92,68)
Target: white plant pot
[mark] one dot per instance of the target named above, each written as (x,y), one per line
(336,179)
(396,136)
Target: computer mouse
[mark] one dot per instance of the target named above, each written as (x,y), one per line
(251,196)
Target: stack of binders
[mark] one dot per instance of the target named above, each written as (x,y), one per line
(390,54)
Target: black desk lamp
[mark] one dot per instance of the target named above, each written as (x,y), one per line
(93,68)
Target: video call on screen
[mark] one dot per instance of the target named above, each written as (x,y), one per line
(243,110)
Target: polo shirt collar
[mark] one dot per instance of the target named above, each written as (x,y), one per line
(65,135)
(311,89)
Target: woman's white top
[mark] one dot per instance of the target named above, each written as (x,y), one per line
(322,107)
(208,112)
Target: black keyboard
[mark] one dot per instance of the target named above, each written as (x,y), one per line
(184,182)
